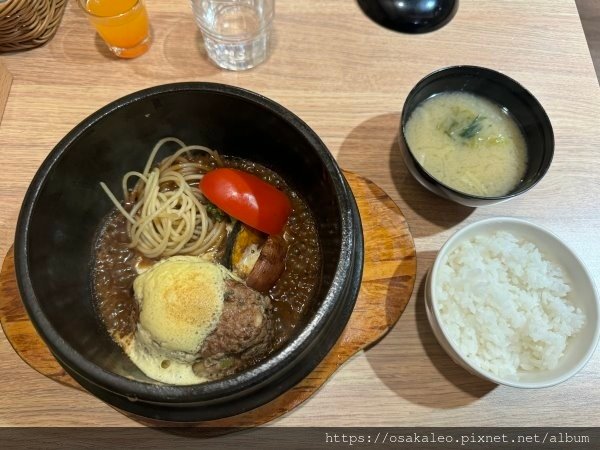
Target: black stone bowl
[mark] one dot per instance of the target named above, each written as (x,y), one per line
(505,92)
(65,205)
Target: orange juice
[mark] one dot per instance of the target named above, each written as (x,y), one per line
(123,24)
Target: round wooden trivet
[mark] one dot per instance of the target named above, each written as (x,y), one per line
(387,284)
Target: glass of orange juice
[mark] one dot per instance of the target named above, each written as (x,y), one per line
(122,24)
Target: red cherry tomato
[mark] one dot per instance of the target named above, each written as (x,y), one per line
(247,198)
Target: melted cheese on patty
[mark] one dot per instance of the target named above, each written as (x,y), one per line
(180,301)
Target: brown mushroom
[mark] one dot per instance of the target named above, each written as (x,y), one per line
(269,265)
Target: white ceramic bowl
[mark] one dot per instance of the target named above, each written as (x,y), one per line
(583,295)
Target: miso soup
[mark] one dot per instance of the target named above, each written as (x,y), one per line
(468,143)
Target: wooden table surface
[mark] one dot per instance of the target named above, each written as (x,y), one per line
(347,78)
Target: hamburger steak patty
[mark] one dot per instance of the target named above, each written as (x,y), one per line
(243,334)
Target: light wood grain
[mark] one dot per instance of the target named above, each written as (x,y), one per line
(5,83)
(347,78)
(388,280)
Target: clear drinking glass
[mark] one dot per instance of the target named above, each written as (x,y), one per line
(236,32)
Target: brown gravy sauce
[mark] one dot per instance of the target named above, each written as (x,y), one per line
(114,267)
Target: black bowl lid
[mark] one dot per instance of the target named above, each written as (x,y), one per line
(410,16)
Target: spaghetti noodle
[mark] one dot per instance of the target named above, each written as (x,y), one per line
(167,212)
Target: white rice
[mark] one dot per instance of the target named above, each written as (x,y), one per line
(505,306)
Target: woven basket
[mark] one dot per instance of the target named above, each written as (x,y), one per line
(28,23)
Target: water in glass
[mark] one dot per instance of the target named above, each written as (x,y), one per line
(236,32)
